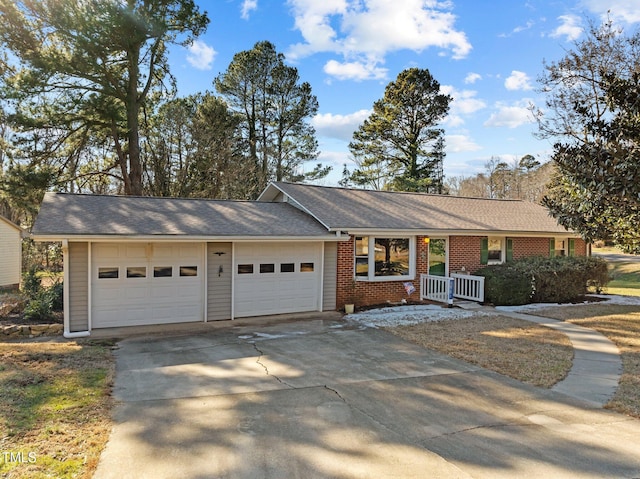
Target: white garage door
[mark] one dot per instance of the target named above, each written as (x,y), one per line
(137,284)
(277,278)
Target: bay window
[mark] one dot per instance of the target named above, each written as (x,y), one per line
(381,258)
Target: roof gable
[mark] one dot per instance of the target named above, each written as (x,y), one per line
(355,209)
(64,214)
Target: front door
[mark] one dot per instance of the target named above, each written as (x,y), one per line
(438,257)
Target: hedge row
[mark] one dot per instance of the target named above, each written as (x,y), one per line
(544,280)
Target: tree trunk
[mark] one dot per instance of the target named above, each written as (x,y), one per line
(133,135)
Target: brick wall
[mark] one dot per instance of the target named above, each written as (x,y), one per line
(374,292)
(464,252)
(523,247)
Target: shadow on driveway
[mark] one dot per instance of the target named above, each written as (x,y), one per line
(319,399)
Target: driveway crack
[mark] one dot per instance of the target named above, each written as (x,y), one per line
(336,393)
(266,369)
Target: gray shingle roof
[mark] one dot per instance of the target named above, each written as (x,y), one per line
(345,209)
(70,214)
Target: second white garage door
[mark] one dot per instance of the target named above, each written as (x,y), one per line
(277,278)
(142,283)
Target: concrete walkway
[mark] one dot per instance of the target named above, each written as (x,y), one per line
(597,366)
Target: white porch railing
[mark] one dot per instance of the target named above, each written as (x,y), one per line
(436,288)
(443,289)
(469,287)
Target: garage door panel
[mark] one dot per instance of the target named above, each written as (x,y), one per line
(135,251)
(132,301)
(278,291)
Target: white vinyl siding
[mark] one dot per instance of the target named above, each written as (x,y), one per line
(10,254)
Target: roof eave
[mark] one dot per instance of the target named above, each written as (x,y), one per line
(182,238)
(454,232)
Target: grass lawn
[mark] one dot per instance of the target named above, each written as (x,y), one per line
(625,274)
(519,349)
(56,407)
(621,324)
(626,278)
(535,354)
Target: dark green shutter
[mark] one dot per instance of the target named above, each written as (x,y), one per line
(509,249)
(552,247)
(572,247)
(484,251)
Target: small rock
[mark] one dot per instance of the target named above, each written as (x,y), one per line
(10,329)
(39,328)
(56,328)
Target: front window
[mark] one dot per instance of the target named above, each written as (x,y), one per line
(362,256)
(495,250)
(561,247)
(383,258)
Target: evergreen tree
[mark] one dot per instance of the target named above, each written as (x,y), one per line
(400,145)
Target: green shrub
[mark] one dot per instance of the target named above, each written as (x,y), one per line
(56,292)
(505,285)
(41,303)
(544,280)
(31,282)
(40,307)
(565,278)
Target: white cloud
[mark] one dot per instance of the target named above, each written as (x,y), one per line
(339,126)
(518,29)
(354,71)
(570,28)
(626,11)
(365,31)
(460,143)
(200,55)
(247,7)
(471,78)
(518,81)
(464,103)
(337,159)
(510,116)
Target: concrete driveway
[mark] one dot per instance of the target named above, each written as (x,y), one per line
(321,399)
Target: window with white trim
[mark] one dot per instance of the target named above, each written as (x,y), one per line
(380,258)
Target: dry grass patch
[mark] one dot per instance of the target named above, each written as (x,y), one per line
(621,324)
(56,407)
(519,349)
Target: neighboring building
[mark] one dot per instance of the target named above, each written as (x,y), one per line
(10,254)
(140,260)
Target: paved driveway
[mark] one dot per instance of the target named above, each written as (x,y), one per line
(318,399)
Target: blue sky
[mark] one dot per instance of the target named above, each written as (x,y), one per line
(486,54)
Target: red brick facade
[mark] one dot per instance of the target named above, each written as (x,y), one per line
(523,247)
(464,254)
(363,293)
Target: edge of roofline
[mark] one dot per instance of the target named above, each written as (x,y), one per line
(295,203)
(446,232)
(12,224)
(183,238)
